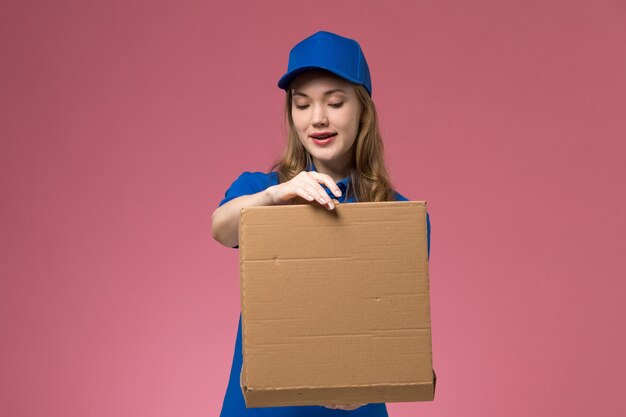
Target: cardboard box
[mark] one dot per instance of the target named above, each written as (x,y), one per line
(335,304)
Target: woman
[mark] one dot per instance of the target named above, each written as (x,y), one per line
(334,150)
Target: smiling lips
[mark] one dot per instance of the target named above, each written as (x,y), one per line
(322,138)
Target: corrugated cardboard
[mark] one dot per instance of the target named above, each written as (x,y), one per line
(335,304)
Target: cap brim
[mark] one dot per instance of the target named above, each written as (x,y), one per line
(286,79)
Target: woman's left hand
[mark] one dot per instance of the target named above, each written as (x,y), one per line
(347,407)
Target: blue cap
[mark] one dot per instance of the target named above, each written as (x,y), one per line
(331,52)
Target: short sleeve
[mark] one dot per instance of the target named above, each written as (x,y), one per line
(400,197)
(247,183)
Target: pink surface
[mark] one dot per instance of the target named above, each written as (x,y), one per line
(123,123)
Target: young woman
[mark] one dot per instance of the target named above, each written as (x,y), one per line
(333,151)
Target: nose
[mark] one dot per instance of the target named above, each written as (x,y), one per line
(319,116)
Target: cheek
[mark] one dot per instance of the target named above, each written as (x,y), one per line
(355,122)
(299,121)
(352,123)
(350,120)
(300,127)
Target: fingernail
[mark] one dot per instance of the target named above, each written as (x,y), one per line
(337,192)
(332,206)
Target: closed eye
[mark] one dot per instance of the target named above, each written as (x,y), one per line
(304,106)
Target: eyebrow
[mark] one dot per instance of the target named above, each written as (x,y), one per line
(335,90)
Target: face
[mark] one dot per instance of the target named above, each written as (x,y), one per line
(324,104)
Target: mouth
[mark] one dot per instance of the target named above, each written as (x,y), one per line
(323,137)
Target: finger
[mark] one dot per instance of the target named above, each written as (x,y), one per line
(317,192)
(326,180)
(323,179)
(320,195)
(305,191)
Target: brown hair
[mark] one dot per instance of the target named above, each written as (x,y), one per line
(369,180)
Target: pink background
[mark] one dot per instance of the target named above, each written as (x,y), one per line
(122,123)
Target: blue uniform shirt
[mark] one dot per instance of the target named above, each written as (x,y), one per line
(234,404)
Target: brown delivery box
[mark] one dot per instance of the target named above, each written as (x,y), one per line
(335,304)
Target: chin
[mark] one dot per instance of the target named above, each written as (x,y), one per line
(323,158)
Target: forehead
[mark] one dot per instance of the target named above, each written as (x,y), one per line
(319,81)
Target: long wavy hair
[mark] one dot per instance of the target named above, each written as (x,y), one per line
(368,178)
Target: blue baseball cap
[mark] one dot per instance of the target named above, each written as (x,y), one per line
(330,52)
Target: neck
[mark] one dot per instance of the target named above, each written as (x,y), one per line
(337,170)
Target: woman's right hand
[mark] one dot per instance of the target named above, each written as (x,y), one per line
(307,186)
